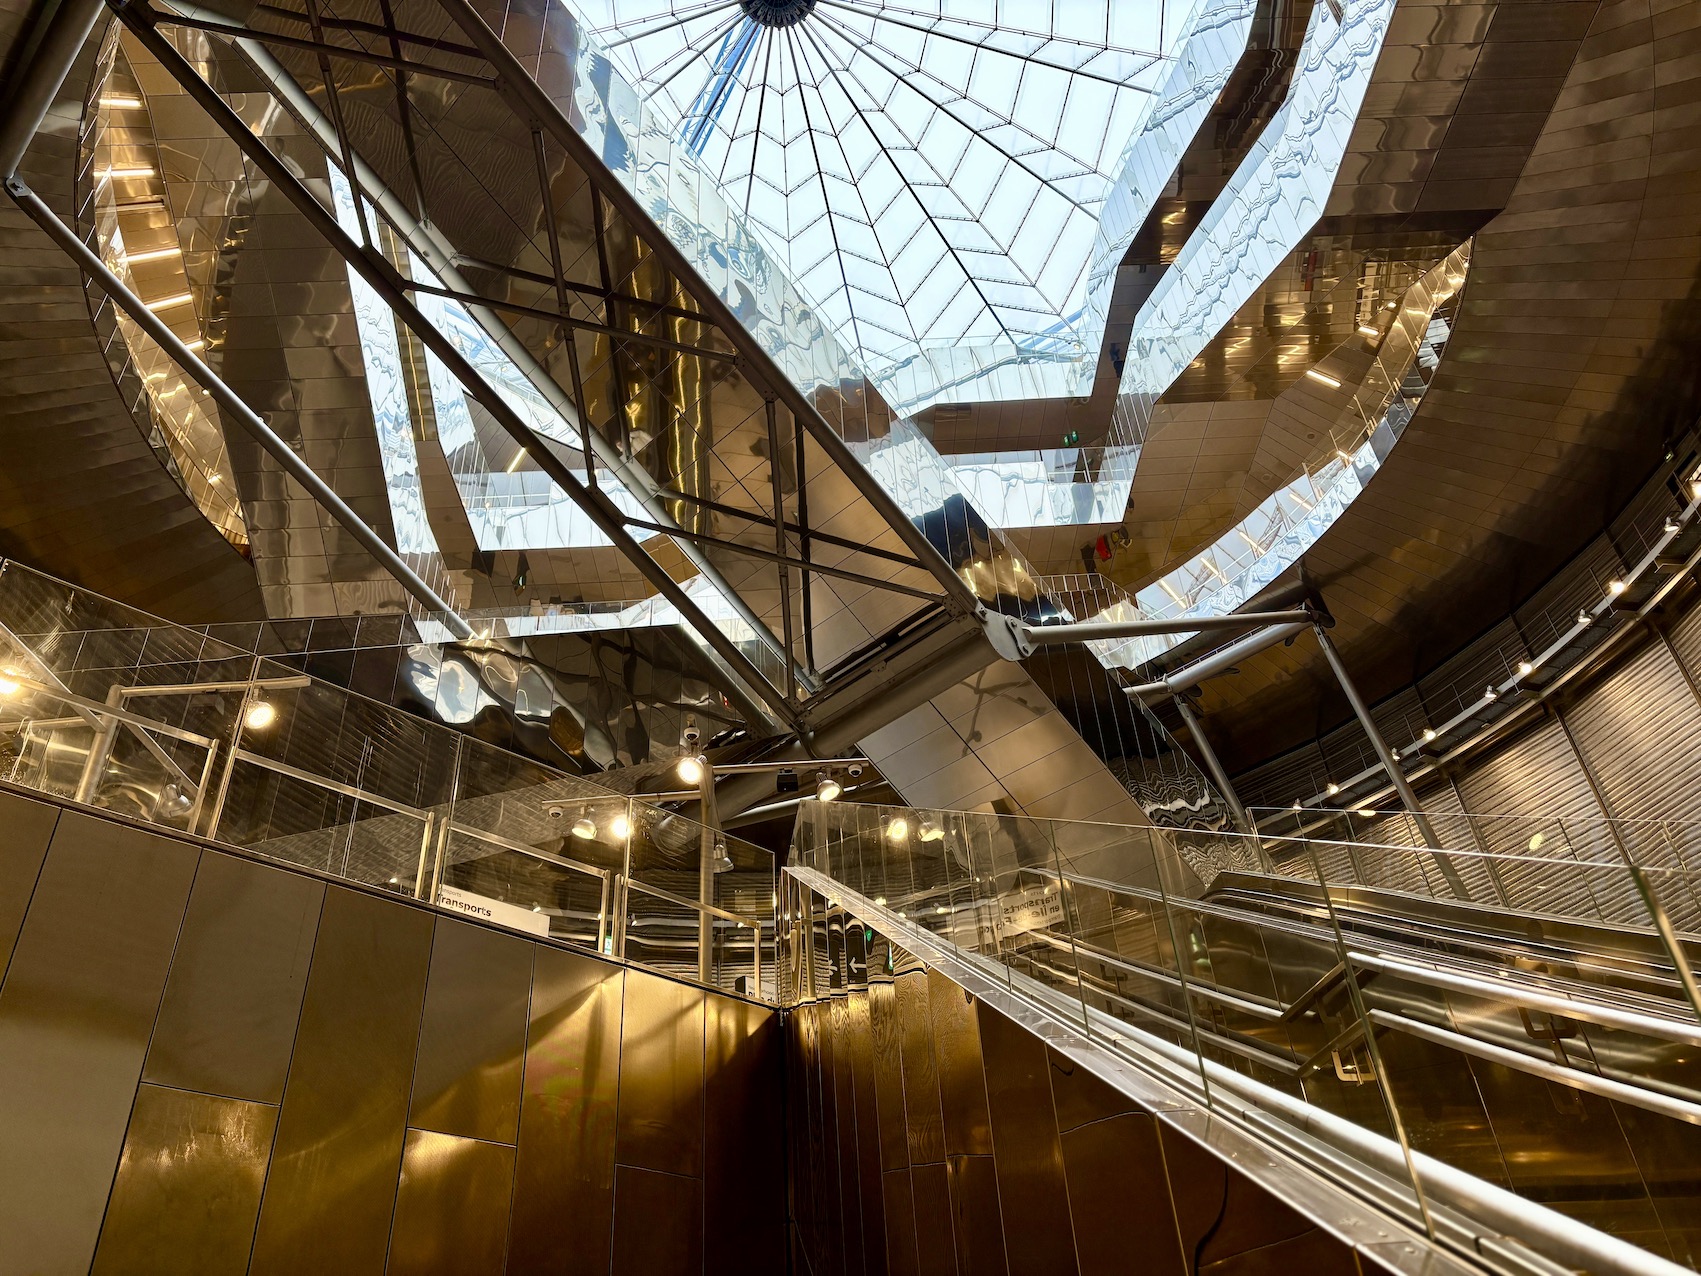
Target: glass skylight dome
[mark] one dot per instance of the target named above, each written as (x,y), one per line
(930,175)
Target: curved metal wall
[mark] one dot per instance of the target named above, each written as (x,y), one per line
(1577,355)
(82,494)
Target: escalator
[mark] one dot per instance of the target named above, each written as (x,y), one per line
(1457,1064)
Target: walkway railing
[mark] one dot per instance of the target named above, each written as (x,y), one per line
(103,705)
(1250,974)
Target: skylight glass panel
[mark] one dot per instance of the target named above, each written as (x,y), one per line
(928,173)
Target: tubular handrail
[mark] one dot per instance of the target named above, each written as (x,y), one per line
(1465,1212)
(390,788)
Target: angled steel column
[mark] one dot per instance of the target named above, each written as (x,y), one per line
(440,257)
(1219,661)
(231,402)
(44,60)
(535,104)
(1390,764)
(388,285)
(1214,765)
(1109,630)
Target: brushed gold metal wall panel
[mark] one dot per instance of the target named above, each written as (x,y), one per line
(1031,1193)
(935,1239)
(924,1123)
(888,1077)
(233,998)
(1222,1215)
(1078,1097)
(79,1001)
(962,1080)
(564,1170)
(867,1166)
(660,1120)
(845,1153)
(472,1037)
(1118,1190)
(451,1206)
(976,1217)
(744,1140)
(658,1223)
(29,826)
(900,1223)
(188,1187)
(333,1179)
(825,1135)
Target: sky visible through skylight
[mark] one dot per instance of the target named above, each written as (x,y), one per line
(931,175)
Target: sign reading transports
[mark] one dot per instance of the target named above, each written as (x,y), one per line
(493,910)
(1031,910)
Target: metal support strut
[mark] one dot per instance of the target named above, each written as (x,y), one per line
(250,421)
(1214,765)
(1390,764)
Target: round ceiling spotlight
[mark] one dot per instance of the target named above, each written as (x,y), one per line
(778,14)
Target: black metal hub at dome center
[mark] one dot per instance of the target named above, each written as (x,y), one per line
(777,13)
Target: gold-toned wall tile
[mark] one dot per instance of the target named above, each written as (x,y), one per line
(188,1187)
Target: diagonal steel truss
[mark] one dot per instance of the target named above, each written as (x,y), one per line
(649,324)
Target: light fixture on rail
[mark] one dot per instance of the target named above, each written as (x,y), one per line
(260,715)
(1583,616)
(827,788)
(1615,587)
(1332,789)
(1428,734)
(9,683)
(723,861)
(1489,693)
(692,769)
(1332,382)
(620,827)
(585,828)
(930,831)
(1525,668)
(1671,524)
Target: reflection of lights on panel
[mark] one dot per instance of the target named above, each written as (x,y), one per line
(199,343)
(157,254)
(124,172)
(121,103)
(176,299)
(1323,377)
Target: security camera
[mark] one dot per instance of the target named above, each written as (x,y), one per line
(557,812)
(690,736)
(854,770)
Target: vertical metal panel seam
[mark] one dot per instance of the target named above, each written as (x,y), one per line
(294,1040)
(152,1028)
(58,811)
